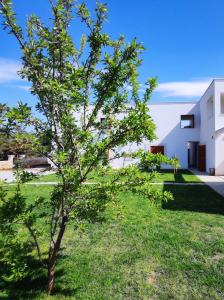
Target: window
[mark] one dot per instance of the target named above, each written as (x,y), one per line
(210,108)
(157,149)
(187,121)
(222,103)
(103,121)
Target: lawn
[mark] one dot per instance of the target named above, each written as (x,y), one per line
(176,252)
(181,176)
(163,176)
(46,178)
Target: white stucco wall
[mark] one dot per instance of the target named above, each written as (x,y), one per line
(219,126)
(167,118)
(169,133)
(7,164)
(212,134)
(219,153)
(218,90)
(208,126)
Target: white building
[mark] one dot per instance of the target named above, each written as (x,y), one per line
(191,131)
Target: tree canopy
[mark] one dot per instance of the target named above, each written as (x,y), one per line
(76,84)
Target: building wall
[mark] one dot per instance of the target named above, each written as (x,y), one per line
(207,131)
(219,153)
(169,133)
(212,124)
(7,164)
(219,126)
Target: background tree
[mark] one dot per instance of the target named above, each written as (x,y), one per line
(14,138)
(75,84)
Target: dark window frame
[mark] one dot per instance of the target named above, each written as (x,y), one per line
(187,118)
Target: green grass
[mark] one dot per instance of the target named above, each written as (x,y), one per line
(181,176)
(163,176)
(46,178)
(176,252)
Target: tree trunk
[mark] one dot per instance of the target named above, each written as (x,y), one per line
(51,278)
(53,256)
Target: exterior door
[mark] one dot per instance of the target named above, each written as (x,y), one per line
(201,158)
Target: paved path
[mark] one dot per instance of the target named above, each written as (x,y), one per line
(8,175)
(9,178)
(214,182)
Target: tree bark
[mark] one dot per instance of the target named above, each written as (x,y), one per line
(53,256)
(51,278)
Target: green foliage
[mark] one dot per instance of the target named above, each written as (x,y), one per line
(133,179)
(13,258)
(75,84)
(11,211)
(23,176)
(175,163)
(16,212)
(14,139)
(150,161)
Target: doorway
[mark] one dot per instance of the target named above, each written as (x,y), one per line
(192,151)
(202,158)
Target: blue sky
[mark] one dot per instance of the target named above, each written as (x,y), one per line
(183,39)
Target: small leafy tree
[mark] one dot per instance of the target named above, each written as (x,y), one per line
(75,84)
(176,164)
(150,162)
(14,139)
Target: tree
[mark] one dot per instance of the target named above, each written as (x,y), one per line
(74,85)
(3,130)
(14,139)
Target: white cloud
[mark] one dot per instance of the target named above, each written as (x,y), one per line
(185,89)
(8,70)
(22,87)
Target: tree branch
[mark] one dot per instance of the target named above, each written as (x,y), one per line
(33,235)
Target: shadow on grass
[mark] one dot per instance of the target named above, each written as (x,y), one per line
(33,285)
(178,175)
(195,198)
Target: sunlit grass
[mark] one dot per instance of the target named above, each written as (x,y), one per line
(163,176)
(143,252)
